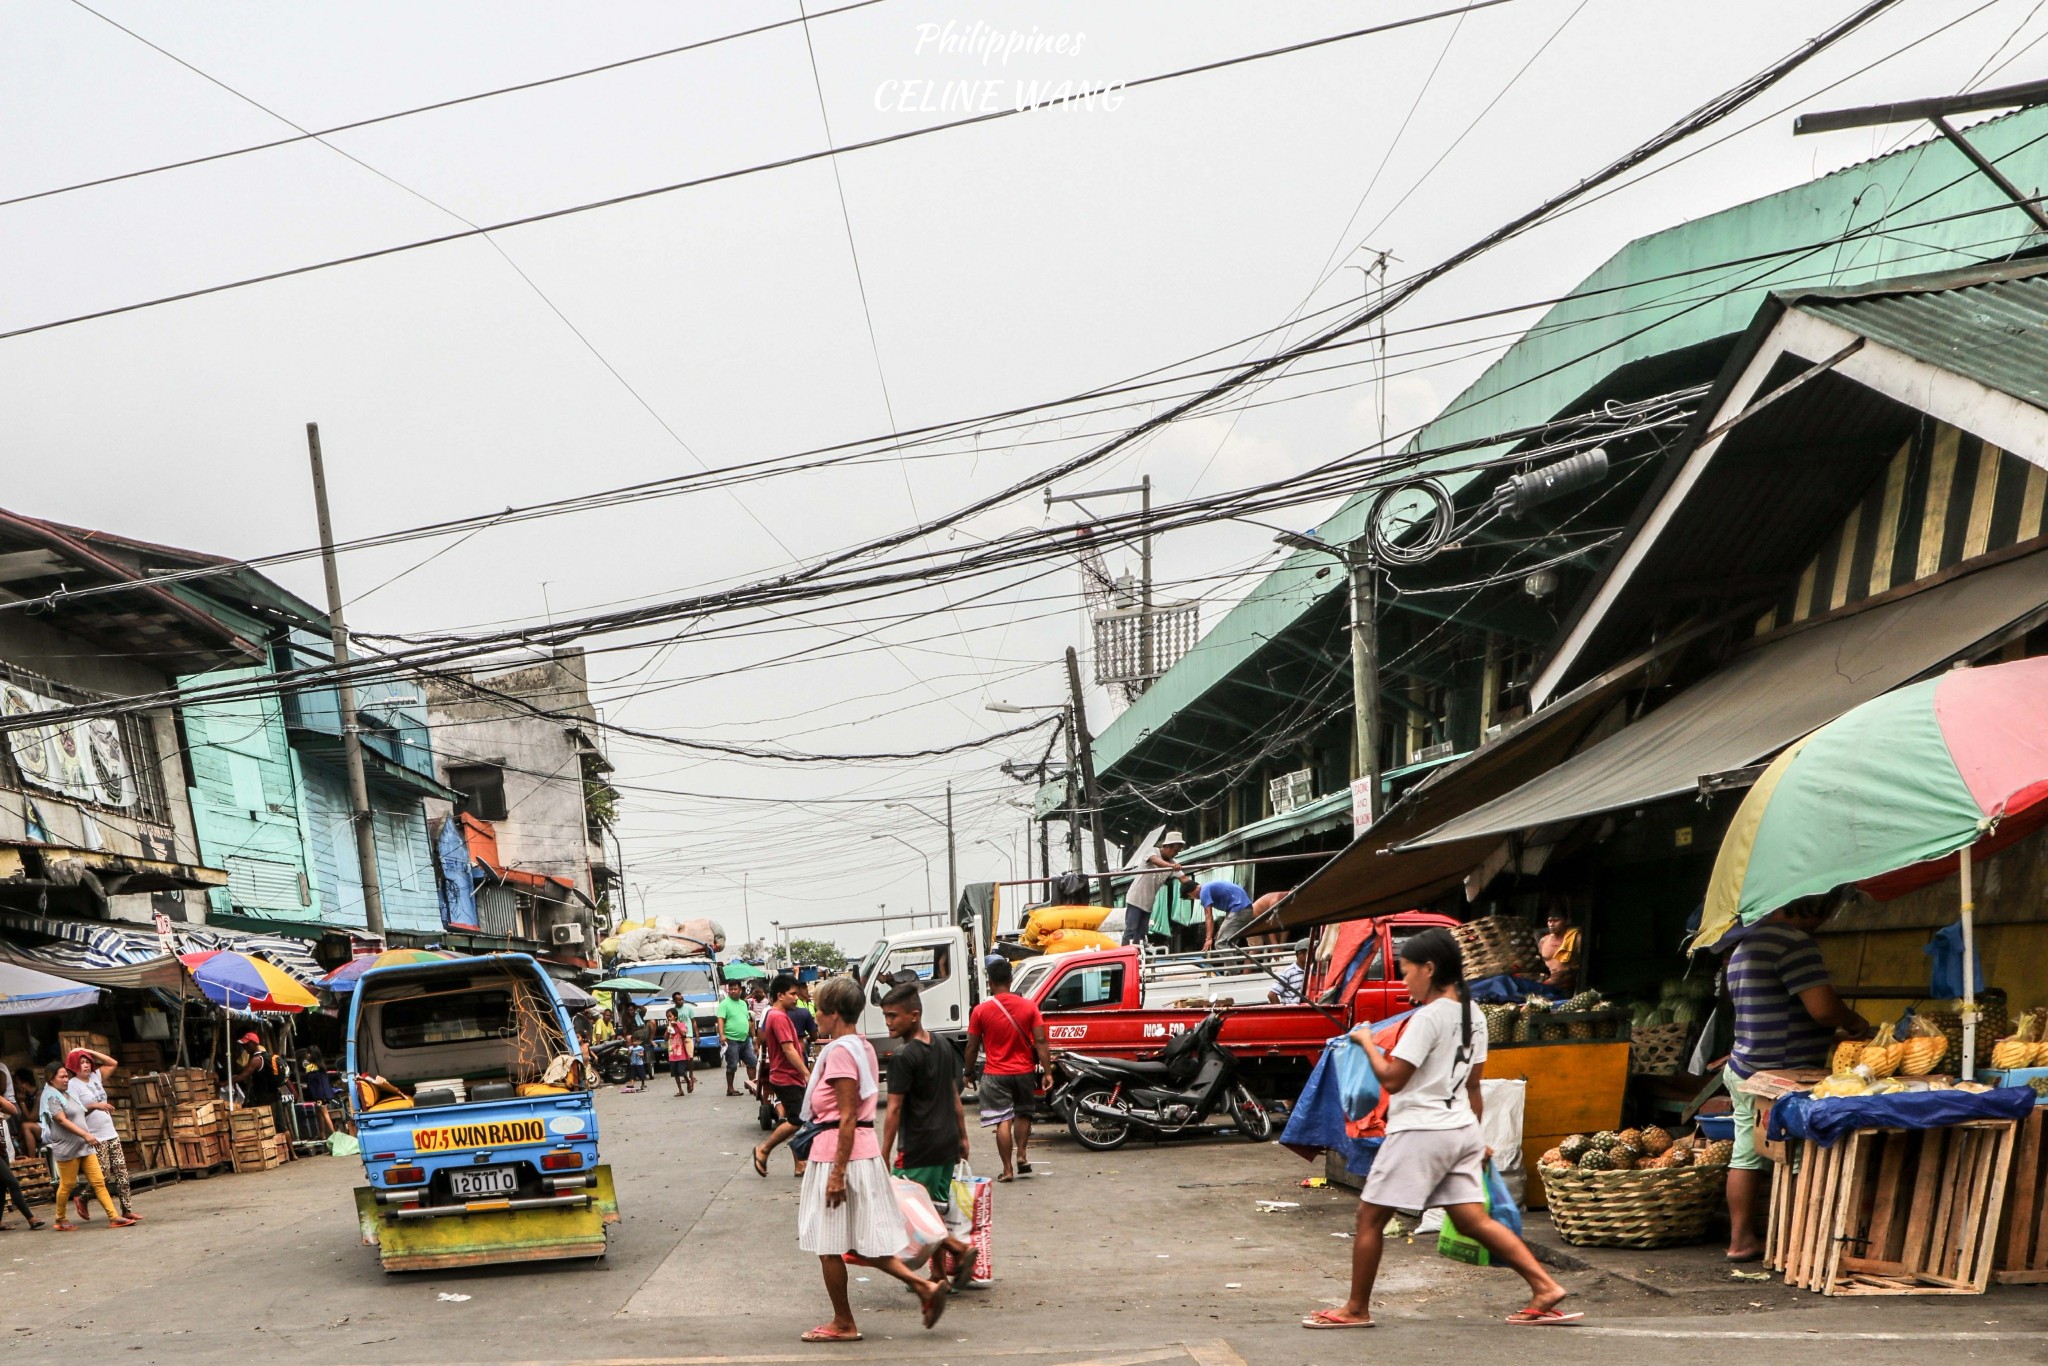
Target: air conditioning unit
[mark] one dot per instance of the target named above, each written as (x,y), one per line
(566,934)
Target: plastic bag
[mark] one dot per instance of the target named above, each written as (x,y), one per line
(1357,1083)
(921,1220)
(1456,1246)
(341,1144)
(959,1210)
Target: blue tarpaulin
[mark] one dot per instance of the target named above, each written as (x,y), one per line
(457,882)
(1945,969)
(1826,1121)
(1317,1121)
(1507,989)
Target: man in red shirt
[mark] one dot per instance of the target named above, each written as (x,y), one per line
(782,1049)
(1012,1032)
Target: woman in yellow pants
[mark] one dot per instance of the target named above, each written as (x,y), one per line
(71,1143)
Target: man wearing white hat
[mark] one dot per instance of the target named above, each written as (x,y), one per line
(1158,867)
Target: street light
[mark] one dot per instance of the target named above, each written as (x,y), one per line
(952,858)
(1365,664)
(1009,859)
(921,854)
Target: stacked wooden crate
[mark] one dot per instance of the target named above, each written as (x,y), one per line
(147,1116)
(36,1182)
(68,1039)
(253,1131)
(198,1135)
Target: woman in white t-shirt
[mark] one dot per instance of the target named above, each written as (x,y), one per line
(1433,1156)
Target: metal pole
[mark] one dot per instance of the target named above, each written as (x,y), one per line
(1073,799)
(1983,163)
(1145,584)
(1365,674)
(1084,745)
(1969,1068)
(345,694)
(952,859)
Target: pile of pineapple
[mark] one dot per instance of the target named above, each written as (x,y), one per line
(1530,1021)
(2028,1046)
(1646,1149)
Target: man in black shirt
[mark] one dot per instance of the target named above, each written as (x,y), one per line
(926,1114)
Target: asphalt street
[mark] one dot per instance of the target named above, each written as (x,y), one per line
(1144,1255)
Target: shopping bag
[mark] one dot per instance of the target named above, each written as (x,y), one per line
(1499,1203)
(921,1221)
(959,1210)
(981,1203)
(1356,1082)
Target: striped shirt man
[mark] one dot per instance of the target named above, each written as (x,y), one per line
(1769,969)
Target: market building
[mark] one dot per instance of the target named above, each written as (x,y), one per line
(1249,742)
(528,811)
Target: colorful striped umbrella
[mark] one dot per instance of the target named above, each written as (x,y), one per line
(240,982)
(1888,795)
(343,978)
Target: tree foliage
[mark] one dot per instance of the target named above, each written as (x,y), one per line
(817,953)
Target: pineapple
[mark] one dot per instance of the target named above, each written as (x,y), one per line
(1574,1147)
(1604,1140)
(1678,1156)
(1596,1160)
(1580,1029)
(1625,1155)
(1585,1000)
(1500,1023)
(1656,1141)
(1634,1136)
(1717,1153)
(1552,1158)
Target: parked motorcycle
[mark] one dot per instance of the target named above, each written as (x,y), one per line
(614,1059)
(1107,1100)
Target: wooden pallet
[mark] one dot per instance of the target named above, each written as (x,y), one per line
(1892,1211)
(2023,1233)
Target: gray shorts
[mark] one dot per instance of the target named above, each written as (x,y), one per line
(1003,1098)
(1428,1169)
(1231,931)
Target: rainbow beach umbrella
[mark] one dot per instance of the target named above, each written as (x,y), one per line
(240,982)
(343,978)
(1892,796)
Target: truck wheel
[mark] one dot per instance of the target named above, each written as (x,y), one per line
(1254,1120)
(1092,1131)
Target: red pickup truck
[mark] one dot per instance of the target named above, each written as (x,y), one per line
(1117,1003)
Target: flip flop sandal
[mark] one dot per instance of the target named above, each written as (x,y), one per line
(963,1272)
(935,1307)
(825,1332)
(1327,1318)
(1541,1318)
(761,1170)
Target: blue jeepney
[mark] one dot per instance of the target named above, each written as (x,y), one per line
(471,1103)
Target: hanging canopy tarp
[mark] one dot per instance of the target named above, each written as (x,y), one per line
(238,981)
(24,991)
(111,954)
(1885,795)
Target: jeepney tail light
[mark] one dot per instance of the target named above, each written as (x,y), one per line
(561,1162)
(405,1176)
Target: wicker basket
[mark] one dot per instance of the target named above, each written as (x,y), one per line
(1657,1050)
(1497,944)
(1659,1207)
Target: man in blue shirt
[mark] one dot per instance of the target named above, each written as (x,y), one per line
(1231,901)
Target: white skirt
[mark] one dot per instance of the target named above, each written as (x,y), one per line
(867,1223)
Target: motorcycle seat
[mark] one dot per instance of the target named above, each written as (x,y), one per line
(1131,1068)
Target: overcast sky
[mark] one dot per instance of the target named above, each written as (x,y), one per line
(1002,264)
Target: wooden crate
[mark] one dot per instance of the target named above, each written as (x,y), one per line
(198,1152)
(202,1114)
(68,1039)
(36,1181)
(142,1056)
(2023,1233)
(1892,1211)
(149,1088)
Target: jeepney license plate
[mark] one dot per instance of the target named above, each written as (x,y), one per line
(467,1183)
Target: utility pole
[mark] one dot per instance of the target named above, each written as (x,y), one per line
(952,861)
(1365,673)
(1073,797)
(1143,488)
(1084,746)
(345,694)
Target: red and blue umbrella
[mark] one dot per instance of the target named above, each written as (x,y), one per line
(240,982)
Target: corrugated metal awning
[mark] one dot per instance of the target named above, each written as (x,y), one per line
(1764,699)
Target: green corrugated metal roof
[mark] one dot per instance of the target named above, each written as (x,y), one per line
(1589,335)
(1990,326)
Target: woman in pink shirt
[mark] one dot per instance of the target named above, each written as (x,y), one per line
(848,1211)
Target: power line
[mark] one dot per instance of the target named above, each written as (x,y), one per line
(758,168)
(321,133)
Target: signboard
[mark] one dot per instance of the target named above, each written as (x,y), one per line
(164,935)
(1361,806)
(84,760)
(495,1134)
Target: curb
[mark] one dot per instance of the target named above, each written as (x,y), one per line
(1561,1260)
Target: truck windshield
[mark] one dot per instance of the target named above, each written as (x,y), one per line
(689,981)
(458,1017)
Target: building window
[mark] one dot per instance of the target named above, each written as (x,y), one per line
(483,790)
